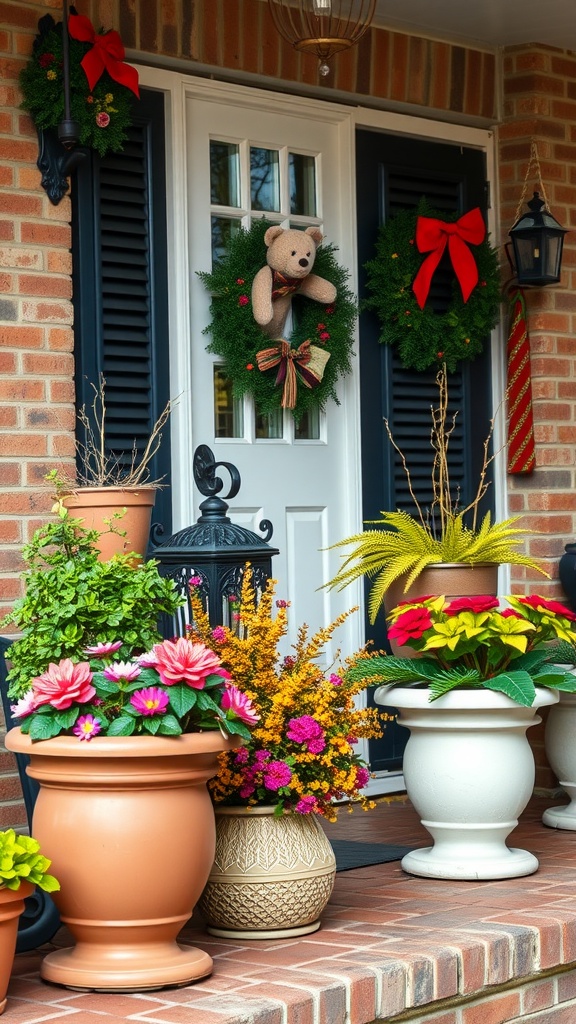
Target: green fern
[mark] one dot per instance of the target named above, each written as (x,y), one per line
(403,547)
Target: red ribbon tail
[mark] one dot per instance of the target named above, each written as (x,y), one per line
(93,64)
(421,285)
(124,74)
(464,265)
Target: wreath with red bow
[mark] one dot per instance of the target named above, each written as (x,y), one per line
(102,85)
(409,250)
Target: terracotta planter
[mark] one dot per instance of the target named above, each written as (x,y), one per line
(96,505)
(11,906)
(469,773)
(129,827)
(457,579)
(561,754)
(272,877)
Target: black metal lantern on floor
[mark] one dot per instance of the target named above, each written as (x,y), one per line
(537,239)
(215,550)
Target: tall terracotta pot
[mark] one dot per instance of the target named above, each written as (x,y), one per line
(96,506)
(272,877)
(452,579)
(11,906)
(129,827)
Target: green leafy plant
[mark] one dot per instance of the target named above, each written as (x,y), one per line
(21,861)
(475,643)
(73,600)
(404,544)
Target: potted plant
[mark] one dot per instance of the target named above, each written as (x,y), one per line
(22,866)
(559,743)
(73,599)
(122,737)
(445,550)
(274,867)
(481,673)
(112,494)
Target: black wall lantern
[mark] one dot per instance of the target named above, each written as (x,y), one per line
(215,550)
(537,240)
(537,237)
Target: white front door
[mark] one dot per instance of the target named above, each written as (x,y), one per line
(252,154)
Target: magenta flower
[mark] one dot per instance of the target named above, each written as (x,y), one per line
(306,805)
(194,581)
(362,777)
(182,661)
(122,670)
(306,730)
(64,684)
(241,756)
(282,604)
(276,775)
(86,727)
(151,700)
(234,700)
(219,634)
(25,706)
(335,680)
(103,649)
(246,790)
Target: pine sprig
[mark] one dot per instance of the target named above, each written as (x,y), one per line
(424,337)
(236,337)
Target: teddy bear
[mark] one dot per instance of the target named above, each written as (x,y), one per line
(289,260)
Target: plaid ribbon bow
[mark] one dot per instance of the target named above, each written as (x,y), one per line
(283,285)
(307,359)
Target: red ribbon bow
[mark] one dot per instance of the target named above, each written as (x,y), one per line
(432,236)
(107,54)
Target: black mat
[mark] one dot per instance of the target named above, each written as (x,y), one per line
(362,855)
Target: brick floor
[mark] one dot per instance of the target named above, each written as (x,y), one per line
(389,944)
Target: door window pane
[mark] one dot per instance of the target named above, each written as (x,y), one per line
(308,428)
(264,179)
(228,412)
(223,229)
(224,174)
(269,425)
(302,171)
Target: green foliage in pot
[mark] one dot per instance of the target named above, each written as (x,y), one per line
(73,600)
(21,861)
(404,544)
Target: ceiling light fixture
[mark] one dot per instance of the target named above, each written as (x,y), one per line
(322,27)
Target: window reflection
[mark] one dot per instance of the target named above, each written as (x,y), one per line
(224,174)
(228,412)
(264,179)
(302,172)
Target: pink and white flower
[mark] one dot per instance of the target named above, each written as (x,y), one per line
(64,684)
(234,700)
(102,650)
(182,661)
(151,700)
(86,727)
(126,671)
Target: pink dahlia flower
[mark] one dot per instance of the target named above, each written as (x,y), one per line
(181,661)
(25,706)
(102,649)
(86,727)
(151,700)
(126,670)
(362,777)
(64,684)
(234,700)
(147,660)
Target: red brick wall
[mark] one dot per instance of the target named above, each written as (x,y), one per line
(540,104)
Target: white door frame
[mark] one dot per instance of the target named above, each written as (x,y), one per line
(177,87)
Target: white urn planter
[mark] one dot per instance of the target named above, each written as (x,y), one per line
(469,773)
(560,744)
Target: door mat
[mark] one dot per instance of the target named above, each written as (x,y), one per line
(361,855)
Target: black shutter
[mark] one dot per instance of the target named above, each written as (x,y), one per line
(121,291)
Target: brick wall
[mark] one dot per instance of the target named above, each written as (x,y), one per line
(540,104)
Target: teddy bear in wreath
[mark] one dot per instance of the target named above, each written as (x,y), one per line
(289,261)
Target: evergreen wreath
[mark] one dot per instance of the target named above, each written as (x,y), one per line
(237,338)
(103,112)
(424,337)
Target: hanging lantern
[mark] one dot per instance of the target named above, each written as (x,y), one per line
(322,27)
(537,239)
